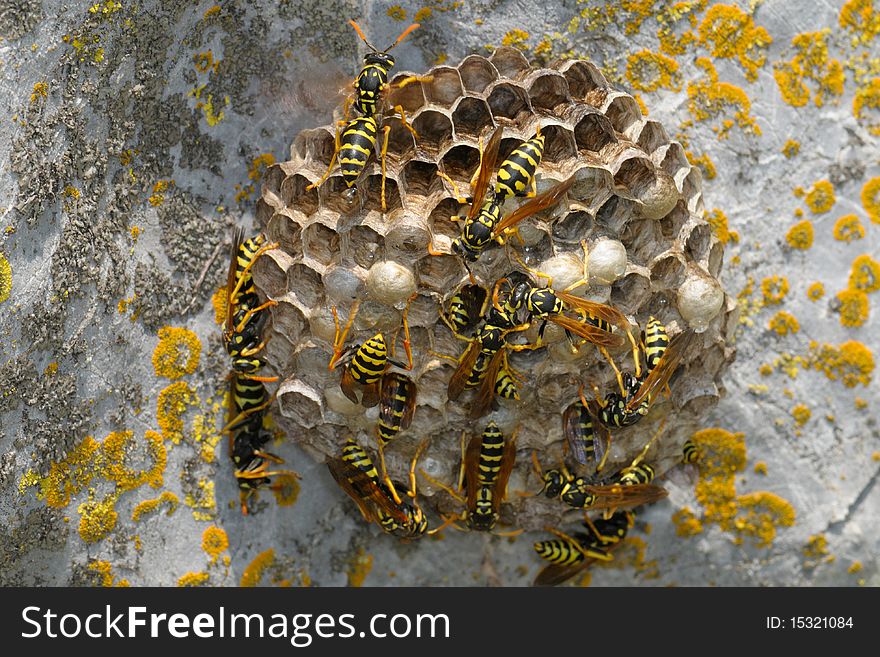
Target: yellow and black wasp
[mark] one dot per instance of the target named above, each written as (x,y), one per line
(571,554)
(365,365)
(376,496)
(466,309)
(486,464)
(586,439)
(690,452)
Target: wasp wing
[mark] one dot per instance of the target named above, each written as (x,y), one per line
(396,385)
(540,202)
(487,168)
(587,438)
(597,310)
(616,496)
(237,238)
(663,371)
(486,395)
(465,365)
(588,332)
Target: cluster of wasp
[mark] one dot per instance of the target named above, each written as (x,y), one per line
(492,319)
(248,398)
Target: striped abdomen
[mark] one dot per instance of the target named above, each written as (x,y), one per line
(388,424)
(483,516)
(690,453)
(579,432)
(479,370)
(656,341)
(358,143)
(560,552)
(640,474)
(245,256)
(491,453)
(247,394)
(354,455)
(575,494)
(516,172)
(612,530)
(369,361)
(505,385)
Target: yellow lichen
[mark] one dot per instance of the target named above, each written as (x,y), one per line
(816,547)
(193,579)
(800,236)
(710,99)
(68,476)
(867,98)
(642,107)
(848,228)
(774,288)
(820,198)
(286,490)
(5,278)
(204,62)
(791,148)
(816,291)
(649,71)
(853,307)
(40,92)
(765,512)
(170,407)
(801,414)
(177,353)
(423,14)
(253,573)
(203,502)
(718,221)
(396,12)
(159,189)
(707,166)
(218,301)
(97,519)
(761,468)
(115,448)
(854,567)
(515,38)
(865,274)
(811,63)
(766,369)
(859,18)
(783,323)
(871,199)
(105,570)
(728,32)
(686,522)
(851,362)
(359,566)
(150,506)
(214,542)
(211,11)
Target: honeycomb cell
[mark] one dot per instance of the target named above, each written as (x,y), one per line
(273,267)
(636,204)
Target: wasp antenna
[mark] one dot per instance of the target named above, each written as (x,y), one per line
(403,35)
(362,35)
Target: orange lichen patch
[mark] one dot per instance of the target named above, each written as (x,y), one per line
(766,369)
(755,515)
(97,519)
(686,523)
(214,542)
(516,39)
(848,228)
(259,164)
(204,433)
(211,11)
(783,323)
(801,414)
(177,353)
(865,274)
(816,291)
(116,448)
(286,490)
(800,236)
(204,62)
(854,567)
(729,32)
(159,189)
(193,579)
(105,570)
(867,98)
(761,468)
(853,307)
(707,166)
(791,148)
(860,18)
(875,456)
(150,506)
(253,573)
(68,476)
(816,547)
(359,566)
(218,300)
(649,71)
(820,198)
(39,93)
(851,362)
(871,199)
(396,12)
(5,278)
(710,99)
(170,407)
(718,221)
(51,369)
(423,14)
(642,107)
(810,63)
(774,288)
(203,502)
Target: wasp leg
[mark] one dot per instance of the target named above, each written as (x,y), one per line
(414,78)
(250,313)
(247,267)
(439,484)
(336,148)
(382,153)
(340,336)
(463,200)
(406,124)
(253,350)
(235,422)
(511,533)
(412,469)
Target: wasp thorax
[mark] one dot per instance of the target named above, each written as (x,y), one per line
(633,204)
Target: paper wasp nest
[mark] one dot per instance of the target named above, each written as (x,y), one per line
(637,203)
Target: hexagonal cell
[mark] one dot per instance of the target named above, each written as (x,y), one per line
(509,101)
(624,113)
(583,78)
(460,163)
(272,180)
(445,86)
(401,142)
(336,196)
(691,187)
(366,245)
(272,267)
(510,62)
(716,258)
(316,146)
(652,136)
(640,238)
(285,230)
(697,244)
(573,226)
(421,179)
(630,292)
(265,209)
(636,175)
(671,224)
(411,97)
(301,403)
(477,73)
(559,144)
(592,187)
(409,236)
(614,214)
(594,132)
(342,284)
(321,243)
(675,161)
(287,319)
(434,130)
(668,270)
(295,195)
(439,273)
(471,117)
(372,187)
(305,284)
(548,91)
(439,220)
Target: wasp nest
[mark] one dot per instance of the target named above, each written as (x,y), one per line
(636,204)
